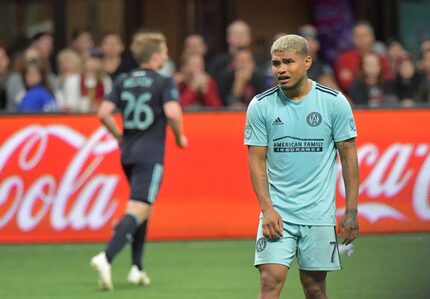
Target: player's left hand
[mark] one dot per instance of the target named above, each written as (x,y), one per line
(348,227)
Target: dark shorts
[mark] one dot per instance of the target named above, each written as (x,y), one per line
(144,180)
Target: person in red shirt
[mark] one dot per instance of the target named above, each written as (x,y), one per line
(196,87)
(347,63)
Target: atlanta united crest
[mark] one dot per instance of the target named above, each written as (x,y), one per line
(261,244)
(314,119)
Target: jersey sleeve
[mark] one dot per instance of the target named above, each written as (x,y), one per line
(255,129)
(170,91)
(115,93)
(343,120)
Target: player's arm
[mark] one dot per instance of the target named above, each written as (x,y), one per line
(173,113)
(350,171)
(105,114)
(272,221)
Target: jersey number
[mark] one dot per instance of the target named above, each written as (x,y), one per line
(134,109)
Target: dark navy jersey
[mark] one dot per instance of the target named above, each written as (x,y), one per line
(140,96)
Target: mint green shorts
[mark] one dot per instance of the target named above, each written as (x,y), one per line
(315,247)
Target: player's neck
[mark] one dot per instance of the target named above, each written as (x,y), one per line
(301,90)
(150,65)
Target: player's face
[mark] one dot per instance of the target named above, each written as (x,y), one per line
(163,54)
(289,69)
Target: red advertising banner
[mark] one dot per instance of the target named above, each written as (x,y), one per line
(61,181)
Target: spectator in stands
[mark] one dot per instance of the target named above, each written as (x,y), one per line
(423,93)
(82,41)
(15,87)
(112,48)
(4,74)
(38,96)
(43,42)
(94,81)
(395,50)
(70,67)
(369,87)
(408,81)
(197,88)
(319,71)
(195,44)
(238,37)
(241,81)
(347,63)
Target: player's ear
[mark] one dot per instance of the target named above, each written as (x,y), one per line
(308,62)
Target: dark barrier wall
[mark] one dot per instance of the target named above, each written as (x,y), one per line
(60,178)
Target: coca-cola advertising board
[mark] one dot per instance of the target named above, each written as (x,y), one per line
(61,180)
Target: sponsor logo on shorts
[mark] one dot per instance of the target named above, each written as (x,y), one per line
(314,119)
(261,244)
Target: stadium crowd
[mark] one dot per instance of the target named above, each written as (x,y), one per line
(371,74)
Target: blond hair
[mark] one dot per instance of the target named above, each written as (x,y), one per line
(73,57)
(291,43)
(144,45)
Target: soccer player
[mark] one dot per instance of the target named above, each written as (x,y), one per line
(293,131)
(148,101)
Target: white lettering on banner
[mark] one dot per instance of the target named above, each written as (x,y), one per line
(422,191)
(45,193)
(388,177)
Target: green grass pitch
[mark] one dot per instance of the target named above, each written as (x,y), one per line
(382,266)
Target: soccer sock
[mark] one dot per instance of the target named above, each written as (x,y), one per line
(138,245)
(124,232)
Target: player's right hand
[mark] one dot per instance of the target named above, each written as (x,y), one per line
(272,225)
(182,141)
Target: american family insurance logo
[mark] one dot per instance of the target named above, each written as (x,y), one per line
(289,144)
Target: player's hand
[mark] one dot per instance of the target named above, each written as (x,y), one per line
(272,224)
(348,227)
(182,141)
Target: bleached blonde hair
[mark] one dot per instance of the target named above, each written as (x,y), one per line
(291,43)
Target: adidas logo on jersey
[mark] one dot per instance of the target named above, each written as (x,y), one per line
(277,121)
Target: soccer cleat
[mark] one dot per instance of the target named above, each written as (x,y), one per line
(135,276)
(100,264)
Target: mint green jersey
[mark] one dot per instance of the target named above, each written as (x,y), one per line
(301,154)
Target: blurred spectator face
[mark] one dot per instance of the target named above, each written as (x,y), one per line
(83,42)
(69,62)
(4,61)
(45,45)
(195,44)
(112,45)
(371,65)
(193,65)
(395,50)
(93,60)
(425,46)
(406,68)
(310,33)
(33,76)
(363,37)
(243,59)
(239,35)
(425,62)
(31,54)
